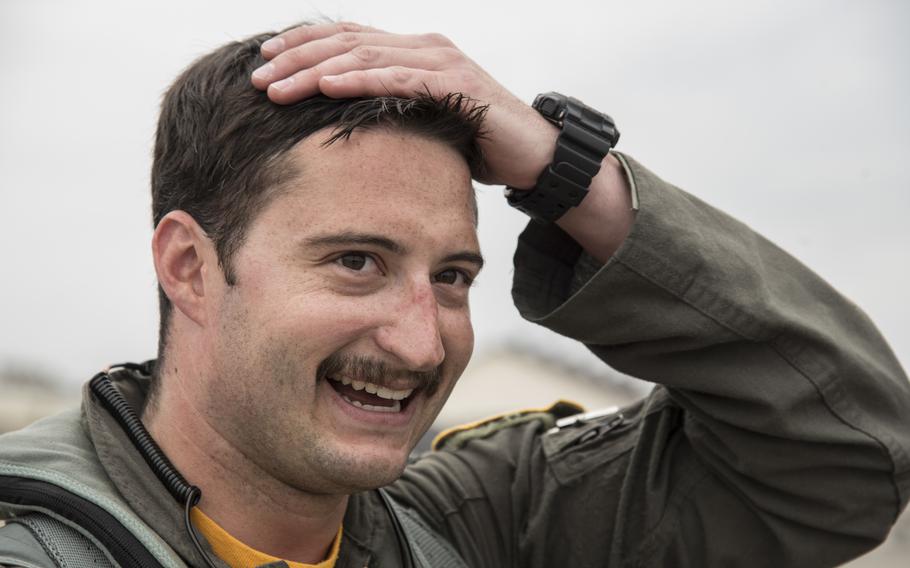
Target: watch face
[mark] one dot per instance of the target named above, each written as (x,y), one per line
(551,106)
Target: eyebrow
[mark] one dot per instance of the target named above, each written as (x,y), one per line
(351,238)
(466,256)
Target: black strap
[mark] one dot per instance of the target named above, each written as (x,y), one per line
(425,547)
(119,542)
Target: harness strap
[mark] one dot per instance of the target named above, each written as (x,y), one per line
(430,550)
(38,538)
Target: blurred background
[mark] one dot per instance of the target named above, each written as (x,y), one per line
(792,116)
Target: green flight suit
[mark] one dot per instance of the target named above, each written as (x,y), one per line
(778,434)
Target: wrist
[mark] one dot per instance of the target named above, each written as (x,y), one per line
(541,145)
(604,219)
(585,138)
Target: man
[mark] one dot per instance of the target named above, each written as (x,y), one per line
(314,252)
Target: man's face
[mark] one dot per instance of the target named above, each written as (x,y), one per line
(355,279)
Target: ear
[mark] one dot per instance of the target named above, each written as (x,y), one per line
(182,253)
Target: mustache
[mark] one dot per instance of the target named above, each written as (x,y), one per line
(376,371)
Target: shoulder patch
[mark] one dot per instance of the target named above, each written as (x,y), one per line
(457,436)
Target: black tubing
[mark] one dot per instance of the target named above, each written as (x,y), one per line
(194,497)
(185,494)
(121,410)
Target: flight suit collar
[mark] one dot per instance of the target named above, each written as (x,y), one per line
(368,539)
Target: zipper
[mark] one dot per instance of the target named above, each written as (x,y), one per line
(588,426)
(117,540)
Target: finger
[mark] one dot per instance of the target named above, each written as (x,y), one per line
(314,52)
(317,51)
(387,81)
(372,57)
(305,83)
(309,32)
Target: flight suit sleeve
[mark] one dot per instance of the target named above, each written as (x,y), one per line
(777,434)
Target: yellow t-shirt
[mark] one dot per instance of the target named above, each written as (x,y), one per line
(238,555)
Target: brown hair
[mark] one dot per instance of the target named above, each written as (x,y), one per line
(220,143)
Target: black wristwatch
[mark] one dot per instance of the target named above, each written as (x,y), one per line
(587,135)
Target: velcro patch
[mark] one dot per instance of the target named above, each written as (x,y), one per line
(457,436)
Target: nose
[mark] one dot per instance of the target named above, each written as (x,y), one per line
(412,333)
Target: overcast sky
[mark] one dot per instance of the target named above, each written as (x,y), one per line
(792,116)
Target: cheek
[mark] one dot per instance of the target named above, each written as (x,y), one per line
(295,303)
(458,340)
(319,323)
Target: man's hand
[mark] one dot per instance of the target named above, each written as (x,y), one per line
(349,60)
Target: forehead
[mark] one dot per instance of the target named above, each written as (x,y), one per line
(383,181)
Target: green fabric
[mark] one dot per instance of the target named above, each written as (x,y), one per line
(58,451)
(777,435)
(430,550)
(19,548)
(459,439)
(65,546)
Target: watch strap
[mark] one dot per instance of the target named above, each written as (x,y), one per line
(585,139)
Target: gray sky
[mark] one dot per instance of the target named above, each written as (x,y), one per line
(792,116)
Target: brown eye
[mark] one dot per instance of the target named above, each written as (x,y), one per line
(451,276)
(354,260)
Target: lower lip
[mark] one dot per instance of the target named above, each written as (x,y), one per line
(386,419)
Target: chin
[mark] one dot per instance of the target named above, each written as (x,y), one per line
(373,480)
(340,471)
(367,472)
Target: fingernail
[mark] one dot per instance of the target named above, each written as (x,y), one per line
(331,78)
(274,45)
(264,72)
(282,84)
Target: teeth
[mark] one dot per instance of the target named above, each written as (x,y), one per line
(394,408)
(381,392)
(393,394)
(396,395)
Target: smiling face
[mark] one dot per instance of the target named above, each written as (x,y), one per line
(353,279)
